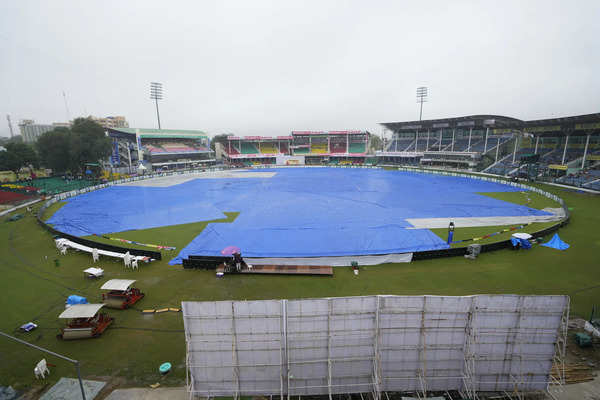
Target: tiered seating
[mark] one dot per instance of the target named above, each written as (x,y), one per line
(461,144)
(421,144)
(268,148)
(446,144)
(59,184)
(320,148)
(433,144)
(249,148)
(580,178)
(477,145)
(410,147)
(284,147)
(337,147)
(7,197)
(232,149)
(155,149)
(302,150)
(357,148)
(178,148)
(400,144)
(173,147)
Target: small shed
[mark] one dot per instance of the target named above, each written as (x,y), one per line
(120,293)
(85,321)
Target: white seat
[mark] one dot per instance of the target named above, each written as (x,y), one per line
(41,369)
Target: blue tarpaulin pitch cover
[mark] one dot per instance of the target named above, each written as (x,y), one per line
(74,299)
(295,212)
(556,243)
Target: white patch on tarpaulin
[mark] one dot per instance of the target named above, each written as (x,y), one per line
(167,181)
(463,222)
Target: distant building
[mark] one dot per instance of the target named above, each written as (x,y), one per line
(220,152)
(112,122)
(30,131)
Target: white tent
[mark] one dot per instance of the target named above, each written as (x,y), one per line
(94,272)
(117,284)
(81,311)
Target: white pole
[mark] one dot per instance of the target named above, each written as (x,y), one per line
(515,150)
(452,148)
(497,148)
(485,143)
(395,139)
(427,146)
(469,145)
(587,141)
(348,144)
(129,157)
(416,141)
(565,151)
(537,140)
(440,144)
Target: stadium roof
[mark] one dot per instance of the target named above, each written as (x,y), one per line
(578,124)
(304,133)
(157,133)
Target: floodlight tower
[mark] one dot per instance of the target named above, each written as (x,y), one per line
(421,98)
(9,125)
(156,95)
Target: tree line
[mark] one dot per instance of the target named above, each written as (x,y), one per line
(64,149)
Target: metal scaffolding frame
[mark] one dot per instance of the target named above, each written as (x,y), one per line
(375,344)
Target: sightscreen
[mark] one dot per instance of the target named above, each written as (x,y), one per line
(373,344)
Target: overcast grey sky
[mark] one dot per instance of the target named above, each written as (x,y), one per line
(268,67)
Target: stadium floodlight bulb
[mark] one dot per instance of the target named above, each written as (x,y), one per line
(422,93)
(156,95)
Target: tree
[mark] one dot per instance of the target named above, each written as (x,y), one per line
(88,143)
(17,156)
(222,138)
(54,150)
(9,162)
(69,149)
(376,142)
(25,153)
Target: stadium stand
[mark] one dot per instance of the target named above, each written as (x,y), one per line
(158,148)
(337,145)
(284,147)
(302,150)
(359,148)
(318,148)
(268,148)
(249,148)
(10,197)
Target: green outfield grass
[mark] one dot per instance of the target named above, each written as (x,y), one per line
(34,289)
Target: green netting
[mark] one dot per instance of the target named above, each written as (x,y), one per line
(357,148)
(249,148)
(58,184)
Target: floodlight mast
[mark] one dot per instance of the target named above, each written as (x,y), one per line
(156,95)
(421,98)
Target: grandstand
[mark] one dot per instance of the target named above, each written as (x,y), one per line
(568,147)
(159,148)
(316,147)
